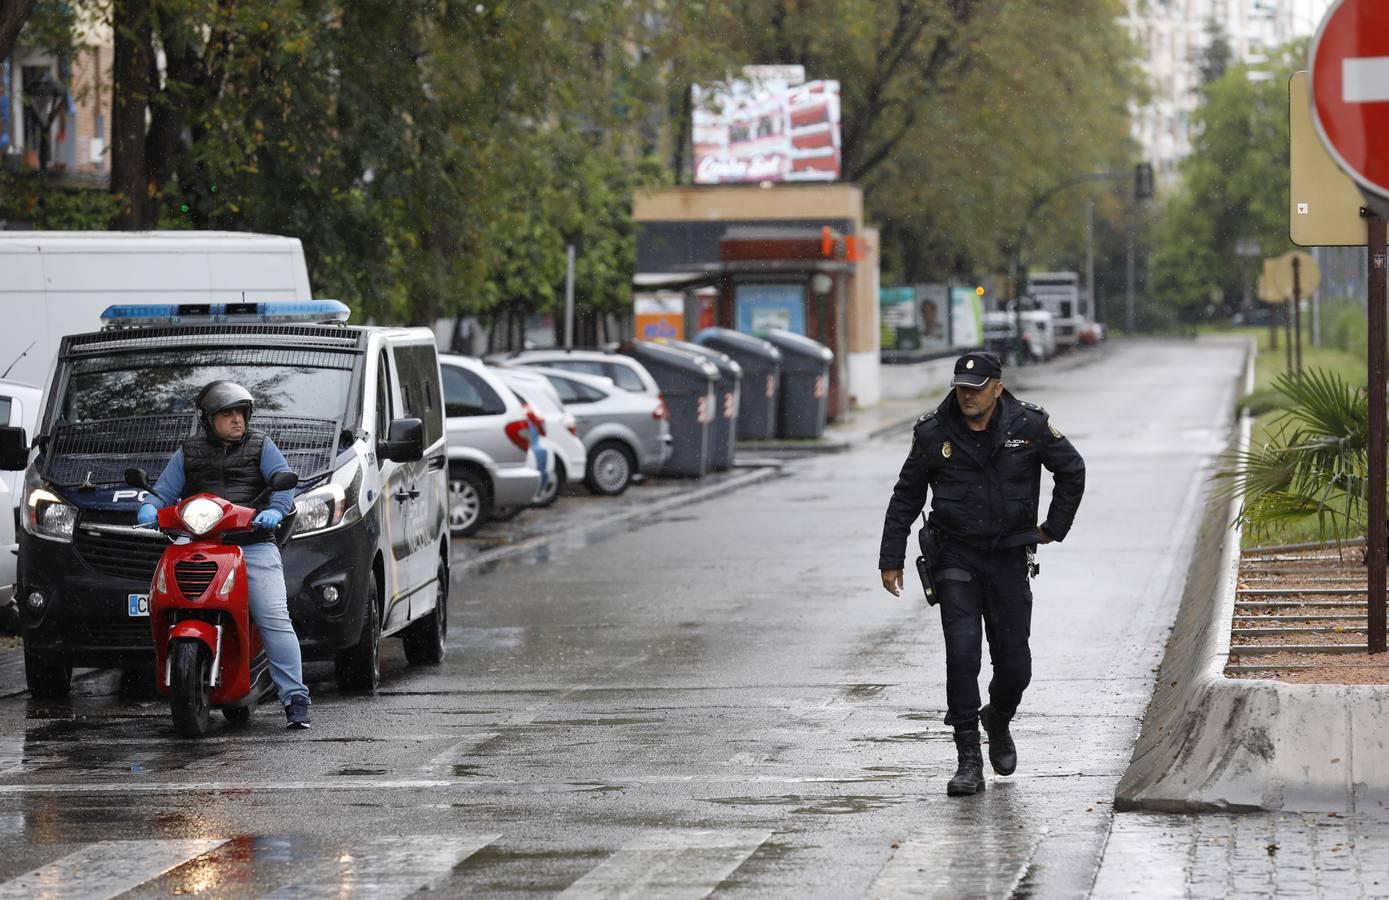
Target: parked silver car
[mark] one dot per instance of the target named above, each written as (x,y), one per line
(623,371)
(492,466)
(626,433)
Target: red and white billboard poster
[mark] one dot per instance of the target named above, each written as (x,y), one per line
(766,130)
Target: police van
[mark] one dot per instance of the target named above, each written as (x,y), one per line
(356,411)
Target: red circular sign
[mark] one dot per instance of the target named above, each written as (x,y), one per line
(1350,89)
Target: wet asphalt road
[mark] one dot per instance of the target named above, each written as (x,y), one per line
(719,699)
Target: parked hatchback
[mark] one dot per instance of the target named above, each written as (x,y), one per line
(492,465)
(625,433)
(624,371)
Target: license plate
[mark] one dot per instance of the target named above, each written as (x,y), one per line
(139,604)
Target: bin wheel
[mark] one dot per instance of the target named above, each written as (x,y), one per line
(470,501)
(610,469)
(48,677)
(358,668)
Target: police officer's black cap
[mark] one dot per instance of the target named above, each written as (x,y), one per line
(973,370)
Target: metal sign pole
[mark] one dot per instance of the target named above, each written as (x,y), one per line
(569,298)
(1288,327)
(1297,308)
(1375,540)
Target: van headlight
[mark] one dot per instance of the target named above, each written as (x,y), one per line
(331,504)
(47,515)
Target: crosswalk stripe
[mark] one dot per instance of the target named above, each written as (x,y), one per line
(953,851)
(105,869)
(669,865)
(459,752)
(385,868)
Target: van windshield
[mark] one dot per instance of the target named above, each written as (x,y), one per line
(164,383)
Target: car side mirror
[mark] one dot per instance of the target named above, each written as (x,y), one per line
(138,478)
(14,449)
(405,443)
(283,481)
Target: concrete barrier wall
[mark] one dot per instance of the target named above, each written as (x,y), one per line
(1214,743)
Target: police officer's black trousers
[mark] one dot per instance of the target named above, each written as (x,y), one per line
(984,594)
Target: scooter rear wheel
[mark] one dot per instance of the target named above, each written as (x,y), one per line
(190,663)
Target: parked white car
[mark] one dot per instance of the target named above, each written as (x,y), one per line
(19,408)
(493,466)
(561,429)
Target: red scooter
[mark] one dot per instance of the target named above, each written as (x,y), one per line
(207,652)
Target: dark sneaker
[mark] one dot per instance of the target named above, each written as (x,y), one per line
(297,712)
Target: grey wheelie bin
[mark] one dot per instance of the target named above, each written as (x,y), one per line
(805,385)
(687,386)
(757,397)
(726,405)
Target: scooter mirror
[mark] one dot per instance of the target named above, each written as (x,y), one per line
(283,481)
(137,478)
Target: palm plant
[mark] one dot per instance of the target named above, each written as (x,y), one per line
(1313,461)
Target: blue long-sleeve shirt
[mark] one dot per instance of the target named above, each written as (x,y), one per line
(169,489)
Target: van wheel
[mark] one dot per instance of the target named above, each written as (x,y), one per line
(48,677)
(358,667)
(551,493)
(424,640)
(610,469)
(470,501)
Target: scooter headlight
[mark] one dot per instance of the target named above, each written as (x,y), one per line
(200,514)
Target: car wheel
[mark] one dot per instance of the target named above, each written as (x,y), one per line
(424,640)
(48,678)
(610,469)
(470,501)
(548,496)
(358,668)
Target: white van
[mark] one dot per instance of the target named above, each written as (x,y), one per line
(58,282)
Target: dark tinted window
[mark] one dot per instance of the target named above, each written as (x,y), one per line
(624,377)
(419,388)
(383,400)
(5,404)
(466,394)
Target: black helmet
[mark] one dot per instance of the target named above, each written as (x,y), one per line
(219,396)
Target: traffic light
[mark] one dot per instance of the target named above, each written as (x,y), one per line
(1142,181)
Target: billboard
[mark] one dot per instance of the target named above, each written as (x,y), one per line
(765,306)
(659,315)
(766,128)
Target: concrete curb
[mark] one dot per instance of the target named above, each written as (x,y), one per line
(536,545)
(1211,743)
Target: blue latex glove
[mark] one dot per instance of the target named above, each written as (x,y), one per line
(268,519)
(148,514)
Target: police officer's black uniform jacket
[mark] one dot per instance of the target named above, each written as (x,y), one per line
(984,486)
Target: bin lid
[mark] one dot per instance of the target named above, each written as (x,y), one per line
(792,344)
(728,367)
(730,341)
(673,369)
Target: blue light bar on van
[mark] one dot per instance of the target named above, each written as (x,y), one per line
(145,315)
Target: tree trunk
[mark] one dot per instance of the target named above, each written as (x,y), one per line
(129,104)
(13,14)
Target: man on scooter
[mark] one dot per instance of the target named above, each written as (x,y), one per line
(229,459)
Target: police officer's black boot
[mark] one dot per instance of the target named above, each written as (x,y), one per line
(1003,755)
(969,775)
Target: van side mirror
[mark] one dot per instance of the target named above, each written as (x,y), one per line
(405,443)
(138,478)
(283,481)
(14,449)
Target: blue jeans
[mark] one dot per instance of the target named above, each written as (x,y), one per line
(265,580)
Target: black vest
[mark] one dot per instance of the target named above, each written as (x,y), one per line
(232,473)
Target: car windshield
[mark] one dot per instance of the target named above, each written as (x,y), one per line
(164,383)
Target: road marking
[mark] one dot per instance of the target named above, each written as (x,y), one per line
(460,752)
(936,859)
(1158,846)
(105,869)
(11,755)
(385,868)
(670,865)
(1365,80)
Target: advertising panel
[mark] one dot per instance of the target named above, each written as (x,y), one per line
(765,306)
(965,314)
(898,315)
(660,315)
(933,309)
(765,129)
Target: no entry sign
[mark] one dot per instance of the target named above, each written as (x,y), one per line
(1350,89)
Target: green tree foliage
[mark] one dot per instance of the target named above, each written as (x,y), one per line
(1234,186)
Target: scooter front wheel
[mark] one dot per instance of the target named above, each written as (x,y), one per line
(190,665)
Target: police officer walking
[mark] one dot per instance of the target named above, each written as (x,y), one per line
(980,453)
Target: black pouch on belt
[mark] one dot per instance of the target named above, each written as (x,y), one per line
(928,560)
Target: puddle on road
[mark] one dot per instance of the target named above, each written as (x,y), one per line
(848,804)
(911,737)
(351,773)
(599,721)
(864,691)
